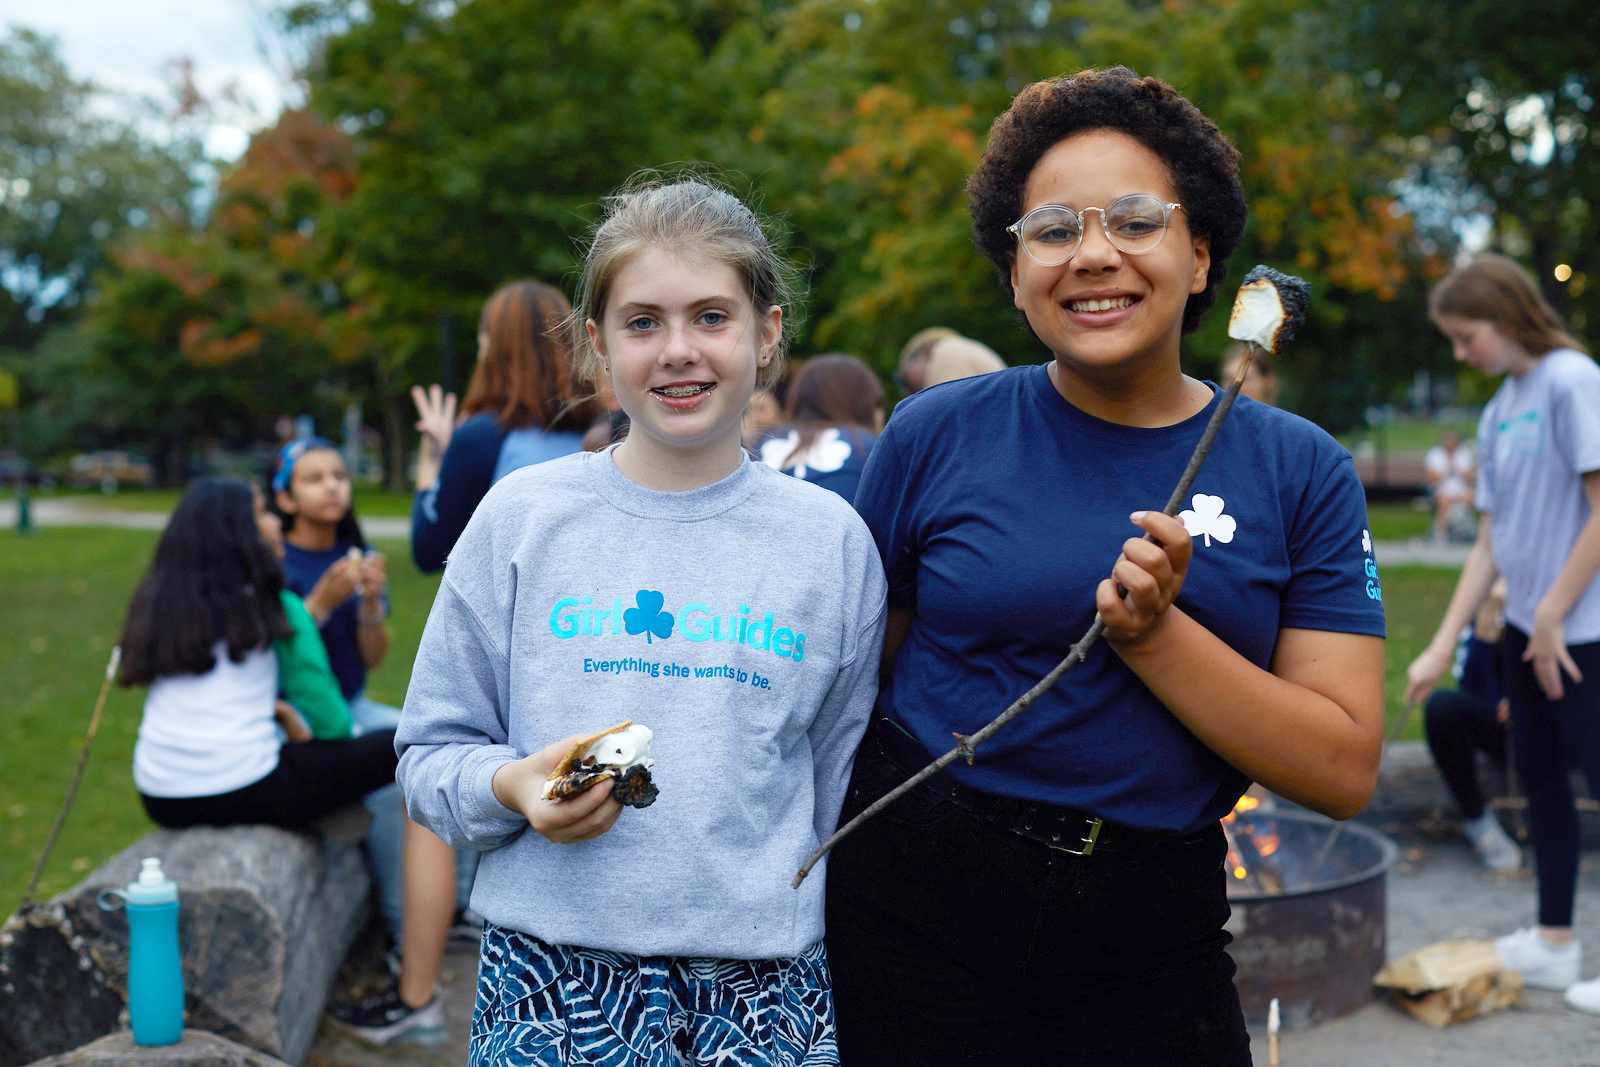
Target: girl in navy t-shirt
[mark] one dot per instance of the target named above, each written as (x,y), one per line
(1062,900)
(327,562)
(834,412)
(526,404)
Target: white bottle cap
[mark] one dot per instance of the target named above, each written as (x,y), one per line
(150,872)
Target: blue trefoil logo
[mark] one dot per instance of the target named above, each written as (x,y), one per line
(648,618)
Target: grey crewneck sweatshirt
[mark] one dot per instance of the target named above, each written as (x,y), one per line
(742,622)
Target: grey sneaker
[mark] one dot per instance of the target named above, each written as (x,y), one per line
(1543,965)
(385,1019)
(1495,848)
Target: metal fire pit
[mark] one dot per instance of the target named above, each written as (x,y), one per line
(1313,933)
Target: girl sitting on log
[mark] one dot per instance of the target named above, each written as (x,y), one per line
(327,561)
(200,633)
(216,637)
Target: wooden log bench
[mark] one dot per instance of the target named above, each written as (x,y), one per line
(199,1048)
(265,919)
(1410,792)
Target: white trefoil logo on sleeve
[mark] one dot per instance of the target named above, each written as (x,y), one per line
(1206,519)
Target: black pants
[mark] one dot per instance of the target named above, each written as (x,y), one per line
(311,779)
(1549,736)
(952,941)
(1458,726)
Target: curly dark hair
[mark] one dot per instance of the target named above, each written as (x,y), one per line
(1202,163)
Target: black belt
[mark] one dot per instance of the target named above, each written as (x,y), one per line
(1059,829)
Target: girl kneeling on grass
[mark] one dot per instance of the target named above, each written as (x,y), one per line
(674,581)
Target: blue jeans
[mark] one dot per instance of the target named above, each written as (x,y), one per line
(386,836)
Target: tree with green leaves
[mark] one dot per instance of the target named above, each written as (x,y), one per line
(75,177)
(1502,96)
(479,139)
(72,180)
(213,331)
(882,107)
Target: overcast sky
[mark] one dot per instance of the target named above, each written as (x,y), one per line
(126,44)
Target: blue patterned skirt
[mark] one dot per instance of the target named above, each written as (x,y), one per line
(554,1005)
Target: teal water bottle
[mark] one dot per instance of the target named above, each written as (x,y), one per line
(155,965)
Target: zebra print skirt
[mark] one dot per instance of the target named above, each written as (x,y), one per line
(552,1005)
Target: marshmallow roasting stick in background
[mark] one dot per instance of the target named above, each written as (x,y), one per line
(1272,1023)
(1270,308)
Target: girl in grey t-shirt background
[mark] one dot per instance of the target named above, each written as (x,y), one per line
(1539,489)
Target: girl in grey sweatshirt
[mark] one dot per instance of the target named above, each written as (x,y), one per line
(670,580)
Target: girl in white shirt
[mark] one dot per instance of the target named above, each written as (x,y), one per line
(199,633)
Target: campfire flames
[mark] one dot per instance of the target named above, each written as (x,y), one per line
(1249,846)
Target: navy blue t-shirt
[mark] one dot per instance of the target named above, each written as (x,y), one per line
(834,461)
(480,453)
(1480,669)
(301,570)
(998,508)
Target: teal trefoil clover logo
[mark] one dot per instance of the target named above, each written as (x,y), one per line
(648,618)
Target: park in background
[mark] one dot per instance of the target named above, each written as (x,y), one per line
(173,306)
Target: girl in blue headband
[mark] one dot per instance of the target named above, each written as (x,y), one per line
(327,561)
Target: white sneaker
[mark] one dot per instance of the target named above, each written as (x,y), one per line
(1543,965)
(1495,848)
(1585,996)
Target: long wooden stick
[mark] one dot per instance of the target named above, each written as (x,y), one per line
(968,743)
(77,779)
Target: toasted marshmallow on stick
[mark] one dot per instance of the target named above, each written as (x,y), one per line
(1269,310)
(354,557)
(622,752)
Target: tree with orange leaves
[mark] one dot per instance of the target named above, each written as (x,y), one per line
(213,331)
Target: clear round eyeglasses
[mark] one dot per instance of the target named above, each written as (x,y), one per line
(1051,234)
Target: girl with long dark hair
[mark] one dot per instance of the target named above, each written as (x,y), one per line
(200,634)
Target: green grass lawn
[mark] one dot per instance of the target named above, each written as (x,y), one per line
(1391,520)
(65,591)
(1414,599)
(1398,520)
(1409,434)
(370,500)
